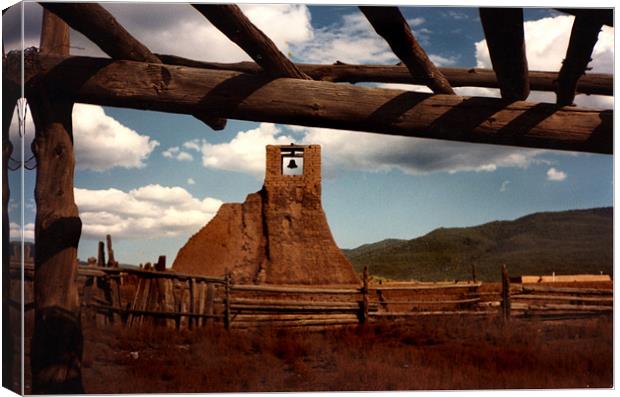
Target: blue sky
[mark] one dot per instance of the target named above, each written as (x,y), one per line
(153,179)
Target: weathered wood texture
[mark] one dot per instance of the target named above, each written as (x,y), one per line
(57,340)
(54,35)
(505,293)
(583,37)
(606,16)
(390,24)
(503,30)
(591,83)
(231,21)
(56,347)
(182,89)
(96,23)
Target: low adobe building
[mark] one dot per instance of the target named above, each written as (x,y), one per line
(279,235)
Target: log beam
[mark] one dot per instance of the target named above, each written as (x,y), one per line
(231,21)
(180,89)
(583,38)
(590,84)
(606,16)
(390,24)
(503,30)
(98,25)
(57,343)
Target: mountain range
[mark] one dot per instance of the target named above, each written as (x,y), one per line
(566,242)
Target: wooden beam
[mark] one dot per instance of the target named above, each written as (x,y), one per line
(390,24)
(583,38)
(98,25)
(54,35)
(503,30)
(231,21)
(591,83)
(606,16)
(323,104)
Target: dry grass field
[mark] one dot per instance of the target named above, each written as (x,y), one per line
(422,354)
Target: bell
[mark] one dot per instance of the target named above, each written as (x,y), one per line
(292,164)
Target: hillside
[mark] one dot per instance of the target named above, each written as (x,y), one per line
(567,242)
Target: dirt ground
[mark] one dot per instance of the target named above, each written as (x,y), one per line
(448,353)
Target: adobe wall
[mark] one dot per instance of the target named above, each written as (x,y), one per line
(279,235)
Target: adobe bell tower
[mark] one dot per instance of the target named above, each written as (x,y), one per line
(279,235)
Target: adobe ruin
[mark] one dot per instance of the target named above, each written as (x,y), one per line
(279,235)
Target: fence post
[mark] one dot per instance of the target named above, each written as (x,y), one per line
(191,318)
(210,303)
(505,293)
(226,299)
(364,317)
(473,272)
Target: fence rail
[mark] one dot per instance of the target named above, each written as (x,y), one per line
(186,300)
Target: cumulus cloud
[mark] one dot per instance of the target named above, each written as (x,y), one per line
(546,44)
(191,181)
(181,30)
(353,40)
(150,211)
(246,151)
(100,141)
(176,153)
(363,151)
(555,175)
(15,231)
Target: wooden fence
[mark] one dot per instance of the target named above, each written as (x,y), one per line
(135,297)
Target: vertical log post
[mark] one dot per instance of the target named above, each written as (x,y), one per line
(111,261)
(160,266)
(57,343)
(364,316)
(226,299)
(101,255)
(210,303)
(473,272)
(191,303)
(505,294)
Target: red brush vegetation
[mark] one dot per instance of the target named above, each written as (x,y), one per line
(425,354)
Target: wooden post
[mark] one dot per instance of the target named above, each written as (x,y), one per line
(57,343)
(210,303)
(473,272)
(111,261)
(227,299)
(160,266)
(364,316)
(101,255)
(191,319)
(505,293)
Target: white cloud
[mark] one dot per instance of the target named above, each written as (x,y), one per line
(191,181)
(546,44)
(150,211)
(363,152)
(181,30)
(555,175)
(176,153)
(246,151)
(101,142)
(15,231)
(504,186)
